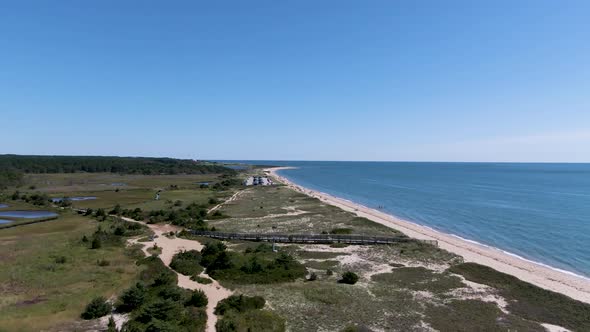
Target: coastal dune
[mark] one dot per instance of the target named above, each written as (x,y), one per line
(571,285)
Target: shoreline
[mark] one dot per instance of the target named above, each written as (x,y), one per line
(539,274)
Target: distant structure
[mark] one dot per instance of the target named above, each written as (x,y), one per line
(258,181)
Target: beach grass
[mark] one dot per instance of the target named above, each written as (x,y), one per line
(280,209)
(529,301)
(419,279)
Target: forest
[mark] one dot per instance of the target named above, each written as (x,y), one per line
(12,165)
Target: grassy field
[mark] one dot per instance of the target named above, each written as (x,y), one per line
(76,182)
(48,274)
(129,191)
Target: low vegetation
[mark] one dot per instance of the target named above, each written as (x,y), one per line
(97,308)
(261,266)
(529,301)
(244,313)
(419,279)
(349,278)
(187,263)
(156,303)
(49,274)
(201,280)
(10,178)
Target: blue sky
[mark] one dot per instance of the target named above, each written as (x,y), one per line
(297,80)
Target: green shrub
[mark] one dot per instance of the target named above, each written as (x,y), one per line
(210,252)
(98,307)
(103,262)
(187,262)
(132,298)
(201,280)
(197,299)
(349,278)
(161,309)
(356,328)
(156,272)
(96,243)
(222,262)
(239,303)
(119,231)
(259,269)
(341,231)
(60,260)
(253,320)
(170,291)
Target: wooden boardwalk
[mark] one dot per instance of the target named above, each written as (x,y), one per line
(310,238)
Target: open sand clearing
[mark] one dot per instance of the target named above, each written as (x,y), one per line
(170,246)
(573,286)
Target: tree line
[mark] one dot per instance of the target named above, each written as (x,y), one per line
(12,166)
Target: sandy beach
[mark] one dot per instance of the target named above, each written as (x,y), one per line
(573,286)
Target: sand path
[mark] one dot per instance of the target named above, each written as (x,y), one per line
(233,197)
(573,286)
(170,246)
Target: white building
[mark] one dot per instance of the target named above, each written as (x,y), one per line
(258,181)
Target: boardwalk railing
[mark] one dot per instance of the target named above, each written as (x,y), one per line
(310,238)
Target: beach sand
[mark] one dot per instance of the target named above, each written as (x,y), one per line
(561,282)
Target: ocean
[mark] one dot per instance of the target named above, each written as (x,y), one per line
(538,211)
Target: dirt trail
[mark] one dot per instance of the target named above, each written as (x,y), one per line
(170,246)
(233,197)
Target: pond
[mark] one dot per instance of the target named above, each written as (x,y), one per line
(29,214)
(3,206)
(4,221)
(79,198)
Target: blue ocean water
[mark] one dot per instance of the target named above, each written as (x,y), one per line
(538,211)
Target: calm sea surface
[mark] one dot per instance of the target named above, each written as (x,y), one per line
(540,212)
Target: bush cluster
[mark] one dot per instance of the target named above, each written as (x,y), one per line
(156,303)
(349,278)
(256,267)
(98,307)
(244,313)
(187,262)
(39,199)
